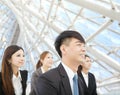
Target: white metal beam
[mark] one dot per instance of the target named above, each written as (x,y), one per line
(27,8)
(106,83)
(106,24)
(115,15)
(103,57)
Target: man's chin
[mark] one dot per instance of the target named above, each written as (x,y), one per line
(81,62)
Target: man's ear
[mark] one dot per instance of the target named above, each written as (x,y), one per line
(81,64)
(63,49)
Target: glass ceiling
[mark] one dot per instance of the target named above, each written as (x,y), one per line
(34,24)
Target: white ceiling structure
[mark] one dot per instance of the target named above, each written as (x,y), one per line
(34,24)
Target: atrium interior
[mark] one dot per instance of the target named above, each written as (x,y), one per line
(35,24)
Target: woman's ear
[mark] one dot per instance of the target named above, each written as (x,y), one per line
(9,61)
(41,61)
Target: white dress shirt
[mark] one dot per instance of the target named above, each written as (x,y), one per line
(70,74)
(43,71)
(85,76)
(17,84)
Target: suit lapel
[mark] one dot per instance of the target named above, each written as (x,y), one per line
(65,80)
(90,81)
(83,80)
(81,86)
(24,79)
(66,85)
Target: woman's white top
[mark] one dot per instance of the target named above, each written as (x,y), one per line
(17,84)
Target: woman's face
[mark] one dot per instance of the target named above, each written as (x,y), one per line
(87,64)
(48,60)
(17,59)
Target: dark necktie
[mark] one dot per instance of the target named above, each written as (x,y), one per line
(75,85)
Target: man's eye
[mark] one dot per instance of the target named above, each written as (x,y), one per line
(79,44)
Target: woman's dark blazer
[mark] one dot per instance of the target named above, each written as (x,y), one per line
(91,89)
(34,78)
(24,75)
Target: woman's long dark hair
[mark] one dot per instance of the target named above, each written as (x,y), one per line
(7,69)
(42,56)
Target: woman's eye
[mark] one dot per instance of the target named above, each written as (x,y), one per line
(18,55)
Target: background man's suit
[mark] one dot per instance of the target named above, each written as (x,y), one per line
(91,89)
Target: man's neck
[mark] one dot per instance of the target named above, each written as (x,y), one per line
(72,66)
(85,71)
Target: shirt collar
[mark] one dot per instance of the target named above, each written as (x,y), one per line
(18,77)
(69,72)
(43,71)
(85,75)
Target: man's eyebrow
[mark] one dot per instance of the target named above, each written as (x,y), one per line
(78,42)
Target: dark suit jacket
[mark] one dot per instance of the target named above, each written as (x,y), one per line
(24,75)
(34,78)
(55,82)
(91,89)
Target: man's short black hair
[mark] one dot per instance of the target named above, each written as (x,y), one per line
(67,34)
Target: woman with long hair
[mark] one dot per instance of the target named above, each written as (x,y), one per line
(13,80)
(44,64)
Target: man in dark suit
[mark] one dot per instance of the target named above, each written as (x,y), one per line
(70,45)
(87,77)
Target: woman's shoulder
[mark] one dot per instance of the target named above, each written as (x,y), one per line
(1,90)
(24,74)
(37,72)
(0,76)
(25,71)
